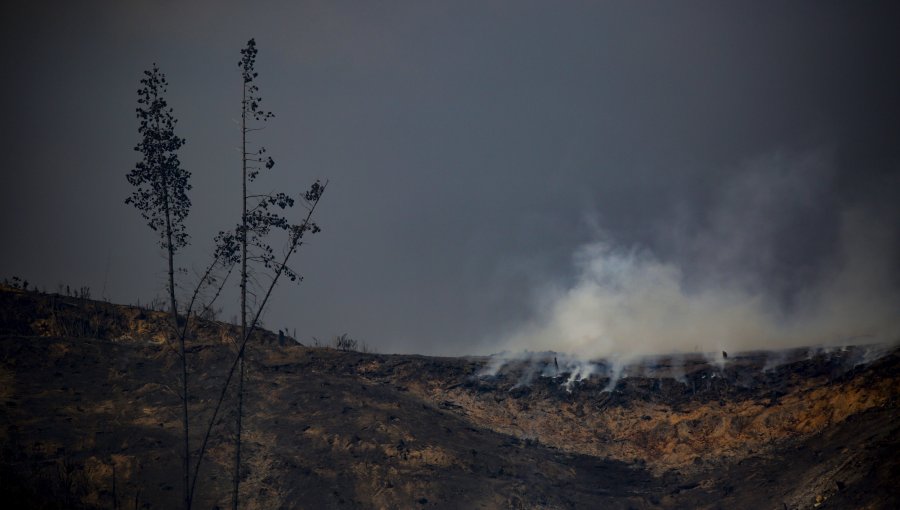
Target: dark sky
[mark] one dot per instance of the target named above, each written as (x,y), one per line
(477,151)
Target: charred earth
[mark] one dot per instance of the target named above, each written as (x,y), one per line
(89,418)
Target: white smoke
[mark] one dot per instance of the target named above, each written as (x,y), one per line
(628,302)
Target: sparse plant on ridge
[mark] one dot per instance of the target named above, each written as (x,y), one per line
(344,342)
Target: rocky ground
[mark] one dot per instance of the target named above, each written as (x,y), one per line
(89,418)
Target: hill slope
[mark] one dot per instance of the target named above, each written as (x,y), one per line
(86,387)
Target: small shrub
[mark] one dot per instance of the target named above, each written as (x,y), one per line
(344,343)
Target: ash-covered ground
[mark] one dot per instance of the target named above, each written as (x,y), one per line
(90,418)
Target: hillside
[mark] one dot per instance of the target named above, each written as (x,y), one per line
(87,389)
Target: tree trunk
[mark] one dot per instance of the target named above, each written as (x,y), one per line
(173,308)
(235,497)
(237,450)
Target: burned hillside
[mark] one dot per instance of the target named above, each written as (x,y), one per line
(90,420)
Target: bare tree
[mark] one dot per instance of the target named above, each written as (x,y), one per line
(161,197)
(261,216)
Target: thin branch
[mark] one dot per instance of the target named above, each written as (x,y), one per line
(295,244)
(187,313)
(219,290)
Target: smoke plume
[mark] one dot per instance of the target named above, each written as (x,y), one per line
(780,259)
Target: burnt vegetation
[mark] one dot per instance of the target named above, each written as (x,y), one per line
(328,428)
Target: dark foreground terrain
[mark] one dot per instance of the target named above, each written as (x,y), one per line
(89,418)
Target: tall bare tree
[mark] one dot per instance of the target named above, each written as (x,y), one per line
(161,197)
(261,214)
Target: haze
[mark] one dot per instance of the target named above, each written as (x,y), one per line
(579,176)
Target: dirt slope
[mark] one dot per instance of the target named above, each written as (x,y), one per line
(86,387)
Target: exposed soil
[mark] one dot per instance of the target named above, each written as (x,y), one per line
(89,413)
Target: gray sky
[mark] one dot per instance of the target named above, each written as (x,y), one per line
(474,150)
